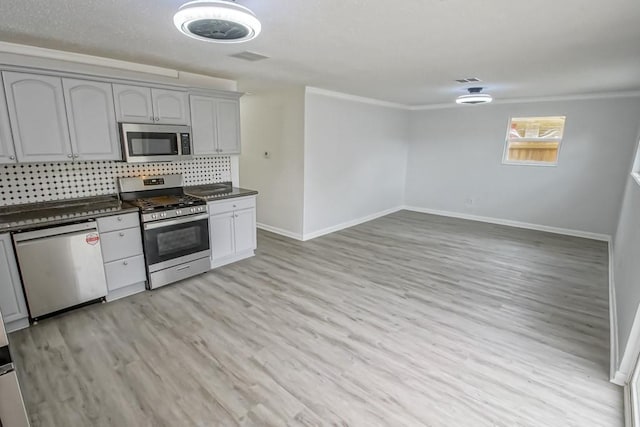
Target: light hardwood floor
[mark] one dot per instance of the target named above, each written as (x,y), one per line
(408,320)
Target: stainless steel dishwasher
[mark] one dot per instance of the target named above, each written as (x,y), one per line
(60,267)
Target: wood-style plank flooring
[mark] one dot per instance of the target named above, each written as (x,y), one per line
(408,320)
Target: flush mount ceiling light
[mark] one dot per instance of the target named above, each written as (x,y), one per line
(217,21)
(474,97)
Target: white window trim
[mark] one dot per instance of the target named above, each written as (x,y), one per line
(505,151)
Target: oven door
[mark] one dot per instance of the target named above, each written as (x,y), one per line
(176,241)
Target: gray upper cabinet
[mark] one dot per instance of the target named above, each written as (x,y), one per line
(203,126)
(170,107)
(228,126)
(38,117)
(92,120)
(7,151)
(133,104)
(215,125)
(136,104)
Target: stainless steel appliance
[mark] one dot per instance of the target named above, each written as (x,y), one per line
(60,267)
(12,411)
(155,143)
(175,227)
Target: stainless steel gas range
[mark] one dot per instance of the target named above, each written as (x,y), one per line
(175,227)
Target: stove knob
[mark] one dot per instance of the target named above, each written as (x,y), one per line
(192,210)
(179,212)
(154,216)
(163,214)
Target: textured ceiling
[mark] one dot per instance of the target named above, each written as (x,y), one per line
(407,51)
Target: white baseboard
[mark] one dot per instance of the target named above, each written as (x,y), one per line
(348,224)
(510,223)
(628,359)
(281,231)
(613,322)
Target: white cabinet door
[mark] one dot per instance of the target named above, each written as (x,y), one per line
(7,152)
(203,125)
(38,117)
(12,302)
(133,104)
(222,238)
(245,230)
(170,107)
(228,126)
(92,120)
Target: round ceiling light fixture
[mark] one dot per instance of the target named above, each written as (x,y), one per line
(474,97)
(217,21)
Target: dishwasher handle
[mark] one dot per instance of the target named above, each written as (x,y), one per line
(88,227)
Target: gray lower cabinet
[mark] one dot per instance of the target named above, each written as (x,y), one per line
(121,241)
(215,125)
(232,228)
(12,301)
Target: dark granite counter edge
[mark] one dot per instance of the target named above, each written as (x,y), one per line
(235,192)
(4,228)
(109,203)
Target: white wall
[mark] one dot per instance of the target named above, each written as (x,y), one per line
(626,278)
(355,160)
(273,120)
(455,164)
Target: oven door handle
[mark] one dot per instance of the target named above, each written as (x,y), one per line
(158,224)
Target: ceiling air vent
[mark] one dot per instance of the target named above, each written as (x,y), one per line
(249,56)
(469,80)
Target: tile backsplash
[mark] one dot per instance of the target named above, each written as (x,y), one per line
(39,182)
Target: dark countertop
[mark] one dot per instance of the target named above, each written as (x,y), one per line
(34,215)
(212,192)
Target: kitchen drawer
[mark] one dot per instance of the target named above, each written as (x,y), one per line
(118,222)
(125,272)
(231,205)
(121,244)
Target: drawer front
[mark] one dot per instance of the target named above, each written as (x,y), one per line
(118,222)
(125,272)
(121,244)
(231,205)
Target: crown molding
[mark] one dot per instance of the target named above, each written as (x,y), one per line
(40,52)
(452,104)
(577,97)
(355,98)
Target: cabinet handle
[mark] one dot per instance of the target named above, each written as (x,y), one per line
(119,218)
(70,156)
(234,206)
(12,157)
(125,262)
(236,216)
(157,119)
(121,234)
(76,155)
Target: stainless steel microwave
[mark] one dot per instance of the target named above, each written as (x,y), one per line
(155,143)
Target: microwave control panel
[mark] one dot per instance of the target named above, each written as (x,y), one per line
(185,141)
